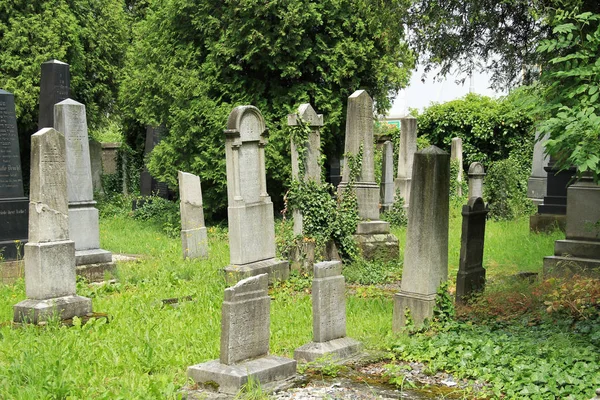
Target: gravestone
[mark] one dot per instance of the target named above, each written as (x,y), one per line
(311,152)
(329,316)
(244,353)
(55,84)
(387,177)
(471,274)
(334,175)
(536,185)
(456,154)
(552,212)
(194,241)
(92,262)
(250,211)
(13,204)
(49,254)
(96,165)
(148,185)
(426,251)
(579,252)
(406,155)
(372,235)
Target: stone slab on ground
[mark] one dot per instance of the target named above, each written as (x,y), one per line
(35,311)
(339,349)
(230,378)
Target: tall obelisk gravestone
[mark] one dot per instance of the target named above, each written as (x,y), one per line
(387,177)
(50,254)
(13,204)
(406,155)
(312,152)
(426,251)
(54,87)
(250,211)
(70,120)
(372,234)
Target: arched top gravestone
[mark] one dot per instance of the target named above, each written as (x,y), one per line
(247,123)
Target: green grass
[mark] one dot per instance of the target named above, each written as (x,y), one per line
(144,350)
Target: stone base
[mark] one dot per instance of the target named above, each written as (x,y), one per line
(278,270)
(468,283)
(230,378)
(194,243)
(49,269)
(420,306)
(92,256)
(302,255)
(35,311)
(536,189)
(403,185)
(380,247)
(97,272)
(339,349)
(547,222)
(84,225)
(573,257)
(372,227)
(10,271)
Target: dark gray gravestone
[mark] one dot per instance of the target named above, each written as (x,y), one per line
(54,88)
(471,274)
(13,204)
(149,185)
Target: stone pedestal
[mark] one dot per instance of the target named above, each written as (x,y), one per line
(471,274)
(579,253)
(13,204)
(406,154)
(194,240)
(49,255)
(244,342)
(426,252)
(250,211)
(359,138)
(329,316)
(84,229)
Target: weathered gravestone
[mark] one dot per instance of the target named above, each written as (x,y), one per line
(92,262)
(471,274)
(96,165)
(250,211)
(329,316)
(194,240)
(387,177)
(579,252)
(50,254)
(13,204)
(55,84)
(426,251)
(148,185)
(244,354)
(456,155)
(536,185)
(406,155)
(372,235)
(309,158)
(553,210)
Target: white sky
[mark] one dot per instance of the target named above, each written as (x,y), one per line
(419,95)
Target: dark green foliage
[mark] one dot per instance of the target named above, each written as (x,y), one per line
(372,272)
(454,183)
(490,129)
(396,216)
(163,212)
(89,35)
(191,62)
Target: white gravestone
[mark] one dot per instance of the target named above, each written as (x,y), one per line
(456,153)
(406,155)
(194,240)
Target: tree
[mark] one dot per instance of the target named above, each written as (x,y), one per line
(192,61)
(500,36)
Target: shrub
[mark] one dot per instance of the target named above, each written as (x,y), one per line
(163,212)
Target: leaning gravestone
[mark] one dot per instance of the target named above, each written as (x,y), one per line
(471,274)
(84,230)
(50,254)
(372,235)
(426,251)
(194,240)
(406,155)
(13,204)
(456,154)
(387,177)
(329,316)
(244,354)
(311,154)
(55,84)
(250,211)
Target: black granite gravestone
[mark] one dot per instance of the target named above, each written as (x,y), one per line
(13,205)
(471,274)
(54,88)
(555,201)
(149,185)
